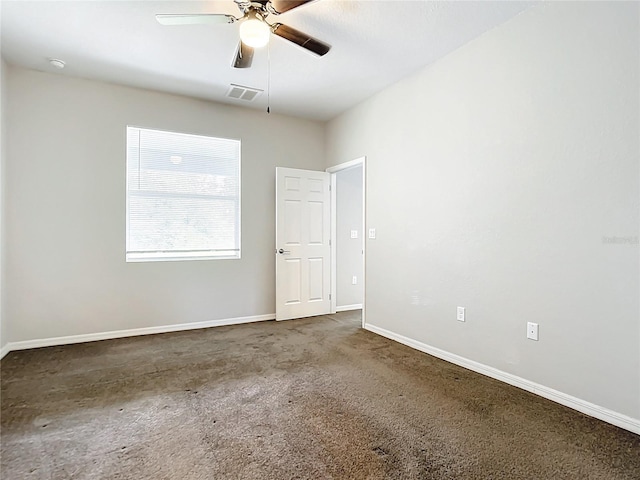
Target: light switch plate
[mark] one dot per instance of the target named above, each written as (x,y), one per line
(354,233)
(461,315)
(354,280)
(372,233)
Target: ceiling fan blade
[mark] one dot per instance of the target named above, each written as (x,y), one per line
(194,19)
(300,38)
(281,6)
(244,56)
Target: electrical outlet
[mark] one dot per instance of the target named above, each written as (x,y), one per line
(354,233)
(372,233)
(354,280)
(461,315)
(532,331)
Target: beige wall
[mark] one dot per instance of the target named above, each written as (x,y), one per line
(497,177)
(3,157)
(65,262)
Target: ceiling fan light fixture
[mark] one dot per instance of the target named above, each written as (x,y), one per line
(254,32)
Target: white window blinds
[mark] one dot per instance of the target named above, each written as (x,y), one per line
(183,196)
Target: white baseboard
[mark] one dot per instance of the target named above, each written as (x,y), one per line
(344,308)
(4,350)
(92,337)
(596,411)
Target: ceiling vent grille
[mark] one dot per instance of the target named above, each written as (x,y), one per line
(241,92)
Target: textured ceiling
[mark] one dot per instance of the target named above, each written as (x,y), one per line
(374,44)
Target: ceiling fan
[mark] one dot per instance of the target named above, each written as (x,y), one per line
(254,29)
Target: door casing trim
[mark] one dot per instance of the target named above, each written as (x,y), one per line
(361,161)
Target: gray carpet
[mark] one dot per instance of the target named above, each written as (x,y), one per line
(305,399)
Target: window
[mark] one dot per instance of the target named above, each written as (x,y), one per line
(183,196)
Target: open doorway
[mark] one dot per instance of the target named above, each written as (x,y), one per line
(348,236)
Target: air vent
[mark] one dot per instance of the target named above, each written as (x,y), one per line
(241,92)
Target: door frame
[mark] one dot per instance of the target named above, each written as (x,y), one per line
(361,161)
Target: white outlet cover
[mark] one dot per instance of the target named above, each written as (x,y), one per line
(372,233)
(354,233)
(354,280)
(532,331)
(461,316)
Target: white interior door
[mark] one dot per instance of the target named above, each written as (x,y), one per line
(303,251)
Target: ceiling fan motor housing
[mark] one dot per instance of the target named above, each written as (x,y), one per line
(245,6)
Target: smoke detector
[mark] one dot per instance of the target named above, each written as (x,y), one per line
(54,62)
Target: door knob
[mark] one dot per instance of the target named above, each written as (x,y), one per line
(283,252)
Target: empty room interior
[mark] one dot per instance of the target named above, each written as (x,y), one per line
(320,239)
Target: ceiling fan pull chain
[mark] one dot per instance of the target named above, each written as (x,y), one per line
(269,77)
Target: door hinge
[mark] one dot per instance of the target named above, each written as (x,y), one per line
(329,242)
(329,187)
(329,296)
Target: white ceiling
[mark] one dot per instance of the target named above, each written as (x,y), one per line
(374,44)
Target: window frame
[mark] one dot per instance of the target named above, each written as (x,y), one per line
(183,255)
